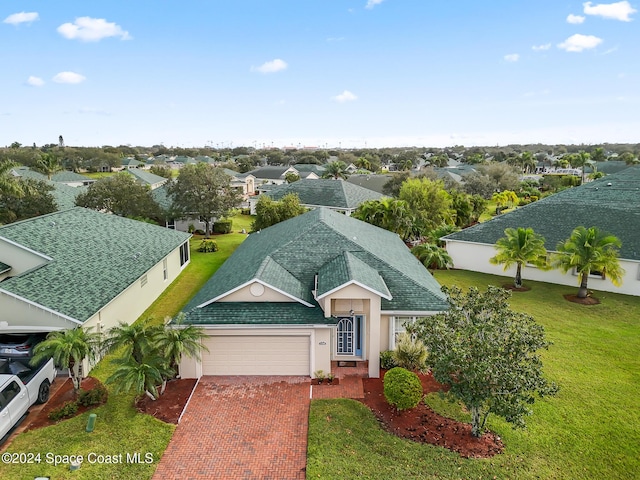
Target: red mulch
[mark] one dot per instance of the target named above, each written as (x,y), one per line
(421,424)
(582,301)
(169,406)
(63,395)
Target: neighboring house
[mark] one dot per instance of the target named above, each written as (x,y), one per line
(83,268)
(143,177)
(305,169)
(64,191)
(611,203)
(245,183)
(313,289)
(337,195)
(271,175)
(130,163)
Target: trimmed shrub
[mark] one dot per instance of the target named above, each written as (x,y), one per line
(223,226)
(402,388)
(387,360)
(68,409)
(208,246)
(410,354)
(95,396)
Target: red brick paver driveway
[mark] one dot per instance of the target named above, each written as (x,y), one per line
(241,428)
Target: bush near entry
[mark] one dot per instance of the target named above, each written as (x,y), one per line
(402,388)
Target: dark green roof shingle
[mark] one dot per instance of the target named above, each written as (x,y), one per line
(95,256)
(326,193)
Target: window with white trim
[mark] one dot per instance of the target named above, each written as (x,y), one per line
(398,325)
(184,253)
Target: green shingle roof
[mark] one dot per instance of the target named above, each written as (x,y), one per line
(146,178)
(372,182)
(258,313)
(303,245)
(611,203)
(67,177)
(4,267)
(95,256)
(327,193)
(271,172)
(345,269)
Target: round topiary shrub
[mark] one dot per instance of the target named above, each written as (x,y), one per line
(402,388)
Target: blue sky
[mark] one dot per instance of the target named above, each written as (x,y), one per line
(327,73)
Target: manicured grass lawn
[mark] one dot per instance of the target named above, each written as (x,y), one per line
(120,429)
(591,429)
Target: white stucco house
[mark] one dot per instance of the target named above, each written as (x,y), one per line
(611,203)
(318,288)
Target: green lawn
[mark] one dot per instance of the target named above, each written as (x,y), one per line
(591,429)
(120,429)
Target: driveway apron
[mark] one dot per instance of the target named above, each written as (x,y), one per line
(241,428)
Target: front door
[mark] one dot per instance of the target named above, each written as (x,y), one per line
(349,336)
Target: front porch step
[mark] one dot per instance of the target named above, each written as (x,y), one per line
(361,368)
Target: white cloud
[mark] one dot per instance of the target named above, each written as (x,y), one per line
(614,11)
(22,17)
(345,96)
(540,48)
(69,77)
(575,19)
(512,57)
(271,67)
(578,43)
(90,29)
(373,3)
(35,81)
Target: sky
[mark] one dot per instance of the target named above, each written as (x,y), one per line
(323,73)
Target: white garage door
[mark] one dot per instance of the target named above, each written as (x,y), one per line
(256,355)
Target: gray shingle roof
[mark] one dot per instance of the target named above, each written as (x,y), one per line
(272,173)
(372,182)
(611,203)
(95,256)
(327,193)
(303,245)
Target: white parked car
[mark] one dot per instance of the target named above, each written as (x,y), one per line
(21,386)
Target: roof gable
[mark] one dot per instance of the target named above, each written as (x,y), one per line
(347,269)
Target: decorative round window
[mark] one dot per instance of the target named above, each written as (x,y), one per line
(256,289)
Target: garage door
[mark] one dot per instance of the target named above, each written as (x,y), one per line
(256,355)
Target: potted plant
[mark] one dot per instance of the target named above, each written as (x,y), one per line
(319,374)
(330,378)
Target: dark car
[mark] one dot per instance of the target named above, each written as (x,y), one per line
(19,345)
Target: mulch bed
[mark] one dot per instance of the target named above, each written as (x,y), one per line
(582,301)
(422,424)
(63,395)
(169,406)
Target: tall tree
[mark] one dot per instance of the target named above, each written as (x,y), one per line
(204,192)
(388,213)
(487,354)
(336,170)
(520,247)
(9,184)
(119,194)
(68,348)
(580,160)
(37,200)
(49,164)
(587,251)
(178,340)
(269,211)
(428,201)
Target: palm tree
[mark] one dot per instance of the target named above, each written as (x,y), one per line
(9,185)
(143,377)
(388,213)
(520,246)
(589,250)
(68,348)
(336,170)
(432,256)
(48,164)
(136,339)
(179,340)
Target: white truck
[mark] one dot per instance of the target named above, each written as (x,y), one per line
(20,387)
